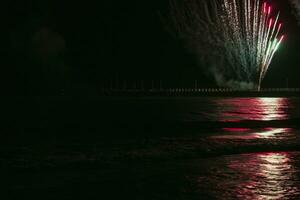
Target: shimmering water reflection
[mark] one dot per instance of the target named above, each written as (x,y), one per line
(273,133)
(272,175)
(262,109)
(262,133)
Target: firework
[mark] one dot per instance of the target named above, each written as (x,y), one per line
(242,35)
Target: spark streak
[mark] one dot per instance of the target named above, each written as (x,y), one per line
(259,41)
(247,33)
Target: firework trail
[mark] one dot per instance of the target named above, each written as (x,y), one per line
(237,38)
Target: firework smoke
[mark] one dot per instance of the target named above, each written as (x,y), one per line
(235,40)
(296,4)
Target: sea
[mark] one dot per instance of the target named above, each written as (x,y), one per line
(154,148)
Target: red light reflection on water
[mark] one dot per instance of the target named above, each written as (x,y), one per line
(272,108)
(247,133)
(269,176)
(264,109)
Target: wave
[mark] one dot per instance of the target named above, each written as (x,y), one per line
(293,122)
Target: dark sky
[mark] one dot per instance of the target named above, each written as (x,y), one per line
(108,39)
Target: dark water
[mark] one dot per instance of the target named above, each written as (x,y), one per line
(237,109)
(270,173)
(182,148)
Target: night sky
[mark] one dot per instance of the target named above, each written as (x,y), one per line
(50,42)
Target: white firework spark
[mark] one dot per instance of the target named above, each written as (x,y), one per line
(248,33)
